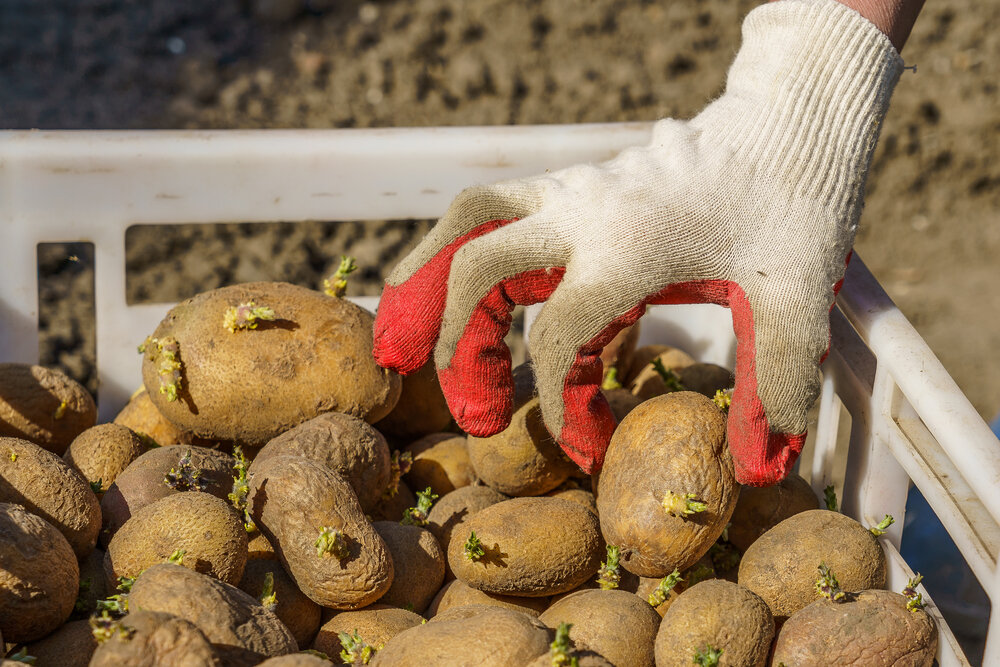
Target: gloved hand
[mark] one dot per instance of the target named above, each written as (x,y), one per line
(753,204)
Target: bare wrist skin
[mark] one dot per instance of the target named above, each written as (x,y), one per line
(895,18)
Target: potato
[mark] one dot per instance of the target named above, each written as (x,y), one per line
(295,660)
(38,575)
(241,630)
(583,659)
(375,624)
(669,450)
(144,481)
(72,645)
(641,373)
(868,628)
(141,416)
(647,586)
(345,444)
(102,452)
(258,548)
(531,547)
(706,379)
(155,638)
(599,617)
(716,615)
(421,409)
(761,508)
(782,565)
(208,530)
(43,406)
(523,459)
(440,461)
(45,485)
(621,401)
(578,496)
(299,614)
(294,501)
(250,385)
(493,637)
(453,508)
(457,594)
(418,565)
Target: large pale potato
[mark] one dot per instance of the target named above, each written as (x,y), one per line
(44,406)
(155,638)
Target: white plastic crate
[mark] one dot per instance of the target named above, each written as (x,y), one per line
(908,419)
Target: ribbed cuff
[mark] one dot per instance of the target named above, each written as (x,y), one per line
(806,95)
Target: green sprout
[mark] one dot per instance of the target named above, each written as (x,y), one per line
(670,378)
(268,597)
(417,516)
(13,456)
(185,477)
(104,627)
(355,650)
(609,575)
(22,656)
(246,316)
(177,557)
(723,398)
(238,496)
(336,285)
(331,542)
(473,548)
(724,556)
(399,466)
(611,379)
(166,353)
(60,411)
(98,486)
(914,600)
(682,505)
(830,496)
(125,584)
(708,657)
(884,524)
(827,585)
(699,573)
(562,648)
(666,585)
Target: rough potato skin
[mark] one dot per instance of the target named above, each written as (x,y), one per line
(159,639)
(584,659)
(141,483)
(251,385)
(206,528)
(258,548)
(291,499)
(45,485)
(141,416)
(457,594)
(347,445)
(871,628)
(534,547)
(761,508)
(241,631)
(421,409)
(376,624)
(295,660)
(418,565)
(38,576)
(453,508)
(643,380)
(69,646)
(102,452)
(440,461)
(578,496)
(719,614)
(782,565)
(493,637)
(31,406)
(299,614)
(675,442)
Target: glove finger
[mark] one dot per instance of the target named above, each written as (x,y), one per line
(512,265)
(565,343)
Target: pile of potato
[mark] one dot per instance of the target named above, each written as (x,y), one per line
(273,497)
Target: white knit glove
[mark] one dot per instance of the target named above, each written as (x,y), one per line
(753,204)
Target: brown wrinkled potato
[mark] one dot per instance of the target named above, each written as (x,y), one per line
(241,630)
(533,547)
(452,509)
(615,624)
(376,624)
(102,452)
(143,482)
(141,416)
(47,486)
(705,379)
(495,637)
(299,614)
(208,530)
(69,646)
(292,500)
(761,508)
(868,628)
(782,565)
(157,639)
(347,445)
(421,409)
(576,495)
(440,461)
(417,562)
(457,594)
(295,660)
(38,576)
(44,406)
(671,444)
(717,614)
(643,380)
(249,385)
(583,659)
